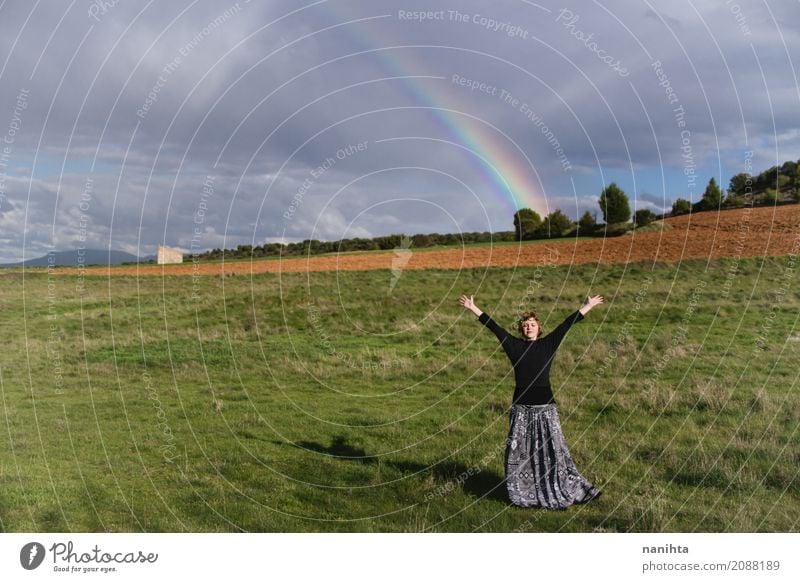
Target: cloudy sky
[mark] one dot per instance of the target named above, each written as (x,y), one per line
(126,124)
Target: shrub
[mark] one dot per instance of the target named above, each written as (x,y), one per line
(770,196)
(681,206)
(587,223)
(734,201)
(643,217)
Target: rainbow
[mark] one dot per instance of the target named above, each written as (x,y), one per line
(503,163)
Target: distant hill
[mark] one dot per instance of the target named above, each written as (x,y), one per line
(70,259)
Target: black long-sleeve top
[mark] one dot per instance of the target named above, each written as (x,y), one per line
(531,359)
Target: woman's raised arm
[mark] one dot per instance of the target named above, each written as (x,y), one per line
(468,303)
(591,302)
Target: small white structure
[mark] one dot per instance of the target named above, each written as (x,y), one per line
(169,256)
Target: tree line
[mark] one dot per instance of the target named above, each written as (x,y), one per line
(779,184)
(380,243)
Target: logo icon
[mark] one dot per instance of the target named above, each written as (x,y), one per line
(400,260)
(31,555)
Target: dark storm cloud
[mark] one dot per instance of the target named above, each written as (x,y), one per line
(152,103)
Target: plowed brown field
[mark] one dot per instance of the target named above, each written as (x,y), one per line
(747,232)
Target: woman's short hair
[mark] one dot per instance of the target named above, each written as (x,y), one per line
(525,317)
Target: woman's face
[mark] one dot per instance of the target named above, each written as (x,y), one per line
(530,329)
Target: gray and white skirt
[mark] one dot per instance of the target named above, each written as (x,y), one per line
(539,469)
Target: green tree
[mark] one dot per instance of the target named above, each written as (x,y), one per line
(643,217)
(681,206)
(586,223)
(741,184)
(614,204)
(556,224)
(526,223)
(712,197)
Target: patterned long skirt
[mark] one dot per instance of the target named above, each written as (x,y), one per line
(539,469)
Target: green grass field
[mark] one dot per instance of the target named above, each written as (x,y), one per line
(324,402)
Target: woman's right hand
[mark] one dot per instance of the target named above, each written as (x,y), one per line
(468,303)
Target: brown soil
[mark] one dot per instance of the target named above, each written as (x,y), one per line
(747,232)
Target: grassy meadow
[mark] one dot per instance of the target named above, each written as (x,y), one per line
(336,402)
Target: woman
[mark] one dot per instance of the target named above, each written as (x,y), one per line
(539,469)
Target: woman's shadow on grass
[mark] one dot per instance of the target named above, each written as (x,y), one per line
(474,480)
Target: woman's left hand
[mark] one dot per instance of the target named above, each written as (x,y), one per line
(590,303)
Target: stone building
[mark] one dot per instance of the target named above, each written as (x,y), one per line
(168,255)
